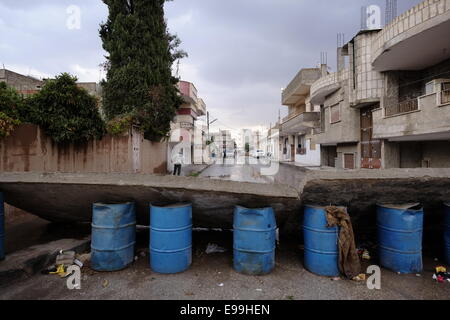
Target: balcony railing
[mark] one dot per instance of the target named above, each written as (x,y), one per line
(445,96)
(292,116)
(402,107)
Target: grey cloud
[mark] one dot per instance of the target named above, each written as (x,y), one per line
(242,51)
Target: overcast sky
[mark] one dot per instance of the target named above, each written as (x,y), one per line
(241,52)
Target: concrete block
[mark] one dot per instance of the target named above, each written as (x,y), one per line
(27,262)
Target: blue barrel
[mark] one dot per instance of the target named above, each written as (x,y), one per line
(170,237)
(113,236)
(254,240)
(447,232)
(320,242)
(2,227)
(400,231)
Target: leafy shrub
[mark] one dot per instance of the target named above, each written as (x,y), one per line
(11,102)
(12,109)
(7,124)
(67,113)
(119,125)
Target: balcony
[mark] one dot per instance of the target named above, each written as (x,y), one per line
(296,123)
(414,40)
(424,118)
(298,88)
(327,85)
(401,107)
(188,92)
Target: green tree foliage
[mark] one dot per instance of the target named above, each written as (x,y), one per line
(139,65)
(119,125)
(7,124)
(12,108)
(11,102)
(67,113)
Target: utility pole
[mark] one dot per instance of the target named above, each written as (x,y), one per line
(209,122)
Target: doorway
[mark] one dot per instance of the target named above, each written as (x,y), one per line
(370,147)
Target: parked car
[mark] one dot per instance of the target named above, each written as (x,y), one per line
(258,154)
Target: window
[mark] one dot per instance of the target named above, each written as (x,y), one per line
(445,93)
(335,113)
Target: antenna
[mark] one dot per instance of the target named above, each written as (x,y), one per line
(323,57)
(340,40)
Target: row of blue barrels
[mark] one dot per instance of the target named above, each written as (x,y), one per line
(114,237)
(400,230)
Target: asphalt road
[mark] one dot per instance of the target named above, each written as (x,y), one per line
(242,169)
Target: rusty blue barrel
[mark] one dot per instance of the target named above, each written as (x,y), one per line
(320,242)
(254,238)
(113,236)
(447,231)
(400,229)
(2,227)
(170,237)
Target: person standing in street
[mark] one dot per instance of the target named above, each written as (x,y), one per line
(177,163)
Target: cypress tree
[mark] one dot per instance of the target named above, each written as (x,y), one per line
(139,79)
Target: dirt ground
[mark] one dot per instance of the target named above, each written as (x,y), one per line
(212,276)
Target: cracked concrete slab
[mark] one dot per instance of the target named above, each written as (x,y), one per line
(69,196)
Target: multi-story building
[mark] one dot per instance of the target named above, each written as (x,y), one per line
(186,128)
(346,98)
(413,54)
(273,142)
(389,106)
(295,130)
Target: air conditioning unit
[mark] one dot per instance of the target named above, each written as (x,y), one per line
(435,86)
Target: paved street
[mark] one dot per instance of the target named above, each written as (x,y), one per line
(243,169)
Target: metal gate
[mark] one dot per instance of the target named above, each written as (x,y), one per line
(370,148)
